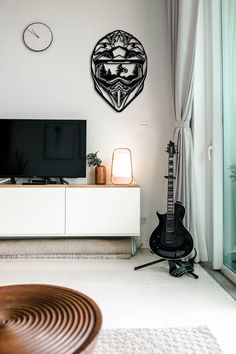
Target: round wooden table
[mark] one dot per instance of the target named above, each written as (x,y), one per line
(47,319)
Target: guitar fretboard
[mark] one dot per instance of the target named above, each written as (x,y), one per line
(170,196)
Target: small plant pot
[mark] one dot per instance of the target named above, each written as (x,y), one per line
(100,174)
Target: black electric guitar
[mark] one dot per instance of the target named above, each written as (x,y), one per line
(171,240)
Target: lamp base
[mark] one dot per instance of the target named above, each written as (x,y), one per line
(121,180)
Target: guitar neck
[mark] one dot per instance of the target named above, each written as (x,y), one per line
(170,193)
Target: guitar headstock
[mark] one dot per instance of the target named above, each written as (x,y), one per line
(171,149)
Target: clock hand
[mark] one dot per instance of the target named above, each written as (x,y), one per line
(33,32)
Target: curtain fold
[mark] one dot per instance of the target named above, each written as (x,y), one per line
(182,22)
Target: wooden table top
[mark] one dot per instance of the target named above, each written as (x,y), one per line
(47,319)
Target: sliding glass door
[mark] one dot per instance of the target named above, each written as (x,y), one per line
(229,130)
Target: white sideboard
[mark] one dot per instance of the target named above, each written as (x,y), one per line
(69,211)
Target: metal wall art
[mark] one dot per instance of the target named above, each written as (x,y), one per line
(119,68)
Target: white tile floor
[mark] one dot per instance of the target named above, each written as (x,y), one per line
(148,297)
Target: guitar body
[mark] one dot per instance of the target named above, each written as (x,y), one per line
(171,243)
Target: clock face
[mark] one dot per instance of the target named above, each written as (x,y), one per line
(37,36)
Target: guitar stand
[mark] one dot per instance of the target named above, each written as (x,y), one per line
(177,268)
(150,263)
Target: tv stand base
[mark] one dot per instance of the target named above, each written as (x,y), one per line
(39,181)
(62,181)
(43,181)
(35,183)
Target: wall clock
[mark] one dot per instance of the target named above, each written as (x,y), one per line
(37,36)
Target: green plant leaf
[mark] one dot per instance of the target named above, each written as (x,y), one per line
(93,160)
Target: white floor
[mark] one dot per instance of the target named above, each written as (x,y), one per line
(149,297)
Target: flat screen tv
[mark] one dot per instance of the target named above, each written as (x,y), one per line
(42,148)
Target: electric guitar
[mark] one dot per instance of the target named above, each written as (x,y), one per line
(171,240)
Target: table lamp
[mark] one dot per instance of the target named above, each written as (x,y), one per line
(121,167)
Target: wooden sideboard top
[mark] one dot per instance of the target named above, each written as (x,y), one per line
(133,185)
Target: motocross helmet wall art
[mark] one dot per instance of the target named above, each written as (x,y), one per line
(119,68)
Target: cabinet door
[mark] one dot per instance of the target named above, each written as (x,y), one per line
(32,211)
(104,211)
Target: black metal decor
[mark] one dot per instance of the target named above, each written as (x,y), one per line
(119,68)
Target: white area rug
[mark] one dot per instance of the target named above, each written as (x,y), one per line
(194,340)
(68,248)
(67,256)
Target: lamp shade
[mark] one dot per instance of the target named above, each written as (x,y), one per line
(121,168)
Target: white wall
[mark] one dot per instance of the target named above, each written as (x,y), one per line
(57,83)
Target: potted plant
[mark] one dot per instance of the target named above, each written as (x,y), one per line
(232,169)
(100,170)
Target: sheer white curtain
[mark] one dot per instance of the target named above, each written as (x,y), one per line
(182,21)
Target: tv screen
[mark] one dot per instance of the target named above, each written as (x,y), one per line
(42,148)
